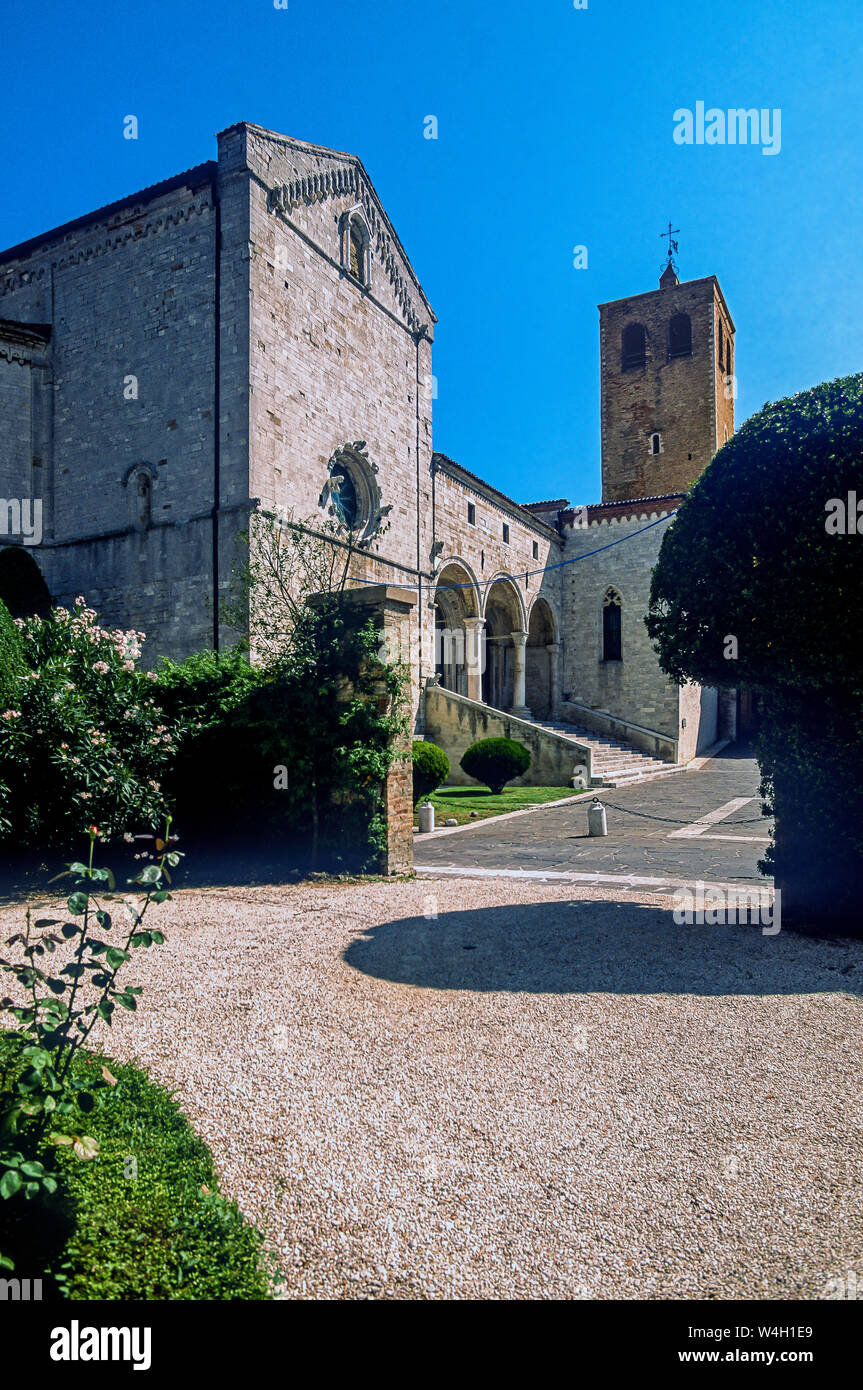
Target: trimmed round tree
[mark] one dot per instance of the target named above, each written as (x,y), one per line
(431,769)
(759,585)
(495,761)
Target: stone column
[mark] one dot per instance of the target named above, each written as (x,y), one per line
(553,650)
(474,655)
(519,708)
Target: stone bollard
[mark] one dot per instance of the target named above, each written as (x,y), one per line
(597,823)
(426,817)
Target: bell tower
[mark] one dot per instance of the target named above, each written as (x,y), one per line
(668,385)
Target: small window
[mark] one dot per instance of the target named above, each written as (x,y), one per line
(356,247)
(536,550)
(505,534)
(633,347)
(680,336)
(656,443)
(720,343)
(611,626)
(471,514)
(728,357)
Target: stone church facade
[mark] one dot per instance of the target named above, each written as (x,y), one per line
(251,333)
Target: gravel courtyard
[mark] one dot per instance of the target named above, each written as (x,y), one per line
(535,1094)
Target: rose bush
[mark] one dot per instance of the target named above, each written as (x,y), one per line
(83,740)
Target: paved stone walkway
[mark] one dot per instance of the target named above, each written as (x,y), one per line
(556,840)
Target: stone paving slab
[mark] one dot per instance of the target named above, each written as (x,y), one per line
(640,821)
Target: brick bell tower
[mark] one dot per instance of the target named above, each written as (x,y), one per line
(668,386)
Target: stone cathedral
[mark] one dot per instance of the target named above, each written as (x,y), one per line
(251,333)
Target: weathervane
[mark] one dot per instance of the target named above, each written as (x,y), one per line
(672,246)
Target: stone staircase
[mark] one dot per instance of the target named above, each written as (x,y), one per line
(614,764)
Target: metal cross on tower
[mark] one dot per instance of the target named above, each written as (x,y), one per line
(672,244)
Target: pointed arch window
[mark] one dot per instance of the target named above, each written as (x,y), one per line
(680,336)
(612,648)
(633,347)
(356,247)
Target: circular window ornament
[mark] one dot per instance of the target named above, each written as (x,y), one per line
(351,496)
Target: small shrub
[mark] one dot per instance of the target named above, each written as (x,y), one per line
(431,768)
(495,761)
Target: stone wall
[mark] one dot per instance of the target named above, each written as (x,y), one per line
(633,688)
(129,299)
(454,723)
(333,361)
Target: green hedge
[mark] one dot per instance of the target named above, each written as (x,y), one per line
(158,1235)
(12,664)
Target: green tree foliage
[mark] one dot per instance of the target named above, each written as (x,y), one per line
(431,769)
(12,664)
(759,585)
(83,742)
(495,761)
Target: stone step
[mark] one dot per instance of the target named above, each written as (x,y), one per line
(626,779)
(613,763)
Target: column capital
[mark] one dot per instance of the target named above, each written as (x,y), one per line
(519,637)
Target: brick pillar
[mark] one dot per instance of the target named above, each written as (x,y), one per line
(391,608)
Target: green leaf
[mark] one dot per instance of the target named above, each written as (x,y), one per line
(77,903)
(151,874)
(106,1008)
(128,1001)
(10,1183)
(49,1185)
(115,957)
(32,1169)
(104,920)
(70,929)
(85,1147)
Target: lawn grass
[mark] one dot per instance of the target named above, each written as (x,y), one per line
(458,802)
(142,1220)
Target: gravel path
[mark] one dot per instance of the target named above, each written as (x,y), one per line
(535,1095)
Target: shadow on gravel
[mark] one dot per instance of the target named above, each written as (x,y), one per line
(600,948)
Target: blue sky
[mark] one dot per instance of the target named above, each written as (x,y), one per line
(555,130)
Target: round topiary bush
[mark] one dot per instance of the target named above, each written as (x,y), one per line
(495,761)
(431,768)
(12,666)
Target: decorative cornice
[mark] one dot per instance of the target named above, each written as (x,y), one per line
(142,226)
(350,180)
